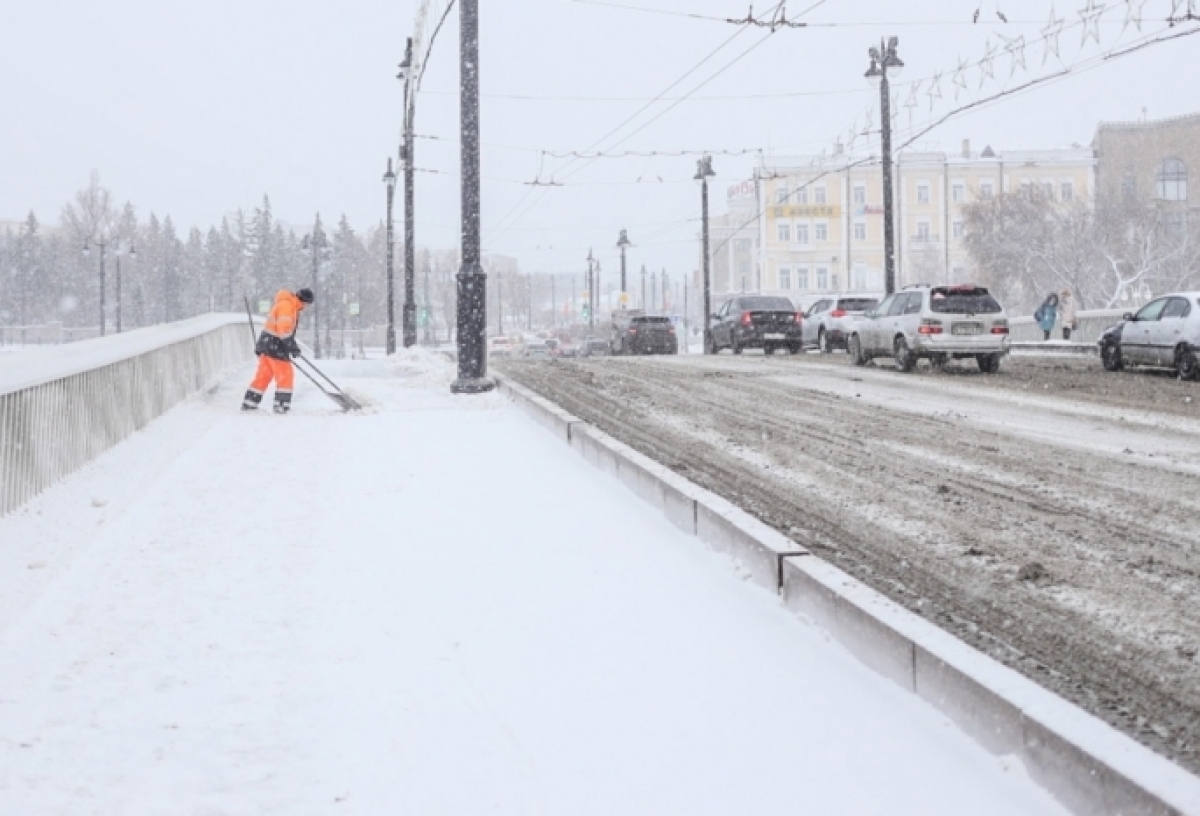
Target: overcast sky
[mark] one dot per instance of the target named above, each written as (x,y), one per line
(197,109)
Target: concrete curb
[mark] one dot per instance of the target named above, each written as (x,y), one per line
(1090,767)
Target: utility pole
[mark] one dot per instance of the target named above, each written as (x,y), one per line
(406,155)
(704,172)
(87,250)
(885,61)
(472,282)
(591,291)
(389,179)
(320,250)
(596,294)
(643,303)
(623,243)
(553,303)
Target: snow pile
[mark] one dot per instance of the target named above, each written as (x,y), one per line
(428,369)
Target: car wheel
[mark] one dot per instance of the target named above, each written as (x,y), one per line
(905,360)
(856,353)
(1186,364)
(988,363)
(823,342)
(1110,357)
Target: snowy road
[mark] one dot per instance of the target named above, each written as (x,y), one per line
(433,608)
(1053,528)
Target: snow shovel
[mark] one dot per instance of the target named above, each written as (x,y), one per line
(344,400)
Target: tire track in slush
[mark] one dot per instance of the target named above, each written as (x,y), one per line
(801,461)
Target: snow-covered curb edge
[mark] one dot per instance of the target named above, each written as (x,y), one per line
(1085,763)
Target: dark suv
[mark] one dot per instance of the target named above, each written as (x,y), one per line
(634,332)
(756,321)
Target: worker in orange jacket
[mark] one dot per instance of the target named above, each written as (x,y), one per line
(276,346)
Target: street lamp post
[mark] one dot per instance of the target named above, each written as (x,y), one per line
(132,256)
(389,178)
(406,155)
(87,250)
(315,241)
(472,282)
(704,172)
(643,303)
(591,292)
(884,63)
(624,244)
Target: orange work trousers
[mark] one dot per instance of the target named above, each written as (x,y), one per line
(280,371)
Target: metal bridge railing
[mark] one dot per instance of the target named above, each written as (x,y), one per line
(62,406)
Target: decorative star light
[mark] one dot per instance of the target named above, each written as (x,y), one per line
(960,77)
(913,90)
(935,89)
(1091,21)
(1051,34)
(987,65)
(1134,14)
(1015,46)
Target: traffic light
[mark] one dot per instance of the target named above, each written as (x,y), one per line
(423,316)
(587,311)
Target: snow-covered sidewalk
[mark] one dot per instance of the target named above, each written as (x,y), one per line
(431,608)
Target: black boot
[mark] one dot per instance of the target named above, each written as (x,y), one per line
(283,402)
(252,400)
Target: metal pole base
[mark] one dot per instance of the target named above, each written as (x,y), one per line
(410,325)
(475,385)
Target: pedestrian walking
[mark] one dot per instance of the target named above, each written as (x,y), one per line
(1047,315)
(275,349)
(1069,313)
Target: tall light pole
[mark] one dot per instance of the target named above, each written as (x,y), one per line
(406,155)
(704,172)
(389,179)
(643,303)
(591,291)
(624,244)
(132,256)
(316,242)
(87,250)
(472,282)
(886,62)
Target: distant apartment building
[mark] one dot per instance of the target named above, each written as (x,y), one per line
(1151,160)
(821,229)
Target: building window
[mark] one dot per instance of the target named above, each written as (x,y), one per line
(744,268)
(802,195)
(958,193)
(1128,187)
(802,277)
(860,276)
(922,193)
(1068,191)
(833,279)
(860,231)
(785,278)
(1048,189)
(1172,181)
(822,231)
(922,232)
(822,278)
(987,189)
(819,195)
(860,195)
(958,229)
(742,245)
(781,193)
(802,233)
(785,231)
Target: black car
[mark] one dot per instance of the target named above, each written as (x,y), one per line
(635,333)
(757,321)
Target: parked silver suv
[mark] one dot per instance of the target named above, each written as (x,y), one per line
(937,323)
(827,322)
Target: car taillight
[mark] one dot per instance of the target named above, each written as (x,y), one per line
(747,320)
(838,313)
(929,326)
(671,330)
(633,331)
(798,317)
(999,329)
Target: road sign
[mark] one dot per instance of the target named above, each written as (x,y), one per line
(264,306)
(624,300)
(354,310)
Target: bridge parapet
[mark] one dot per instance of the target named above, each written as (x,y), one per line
(62,406)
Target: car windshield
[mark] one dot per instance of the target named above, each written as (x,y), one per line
(963,300)
(857,304)
(766,304)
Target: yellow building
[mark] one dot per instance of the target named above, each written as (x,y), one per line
(822,225)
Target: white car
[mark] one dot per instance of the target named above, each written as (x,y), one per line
(829,321)
(499,346)
(938,323)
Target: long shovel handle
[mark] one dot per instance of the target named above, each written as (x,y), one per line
(314,382)
(321,374)
(250,316)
